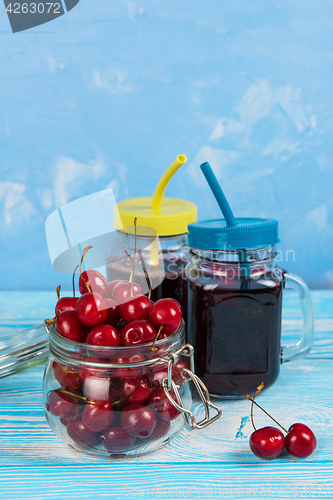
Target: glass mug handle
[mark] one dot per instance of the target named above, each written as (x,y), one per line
(303,346)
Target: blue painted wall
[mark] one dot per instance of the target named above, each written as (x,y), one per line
(110,93)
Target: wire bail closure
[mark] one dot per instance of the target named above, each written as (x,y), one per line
(187,350)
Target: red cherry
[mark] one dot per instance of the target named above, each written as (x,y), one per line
(112,284)
(137,420)
(267,442)
(176,371)
(129,372)
(68,377)
(103,335)
(70,327)
(166,312)
(160,372)
(91,309)
(135,308)
(116,439)
(165,409)
(61,404)
(98,415)
(135,390)
(95,281)
(80,434)
(300,441)
(113,315)
(165,333)
(65,304)
(125,290)
(93,372)
(157,375)
(65,420)
(137,333)
(161,429)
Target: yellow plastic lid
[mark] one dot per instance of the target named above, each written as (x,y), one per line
(168,216)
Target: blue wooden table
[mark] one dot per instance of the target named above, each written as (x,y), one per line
(213,463)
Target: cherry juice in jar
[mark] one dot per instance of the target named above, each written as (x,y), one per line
(235,301)
(234,305)
(235,327)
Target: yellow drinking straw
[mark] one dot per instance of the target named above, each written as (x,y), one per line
(157,201)
(164,180)
(167,216)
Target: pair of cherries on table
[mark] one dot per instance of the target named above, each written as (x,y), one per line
(114,314)
(269,442)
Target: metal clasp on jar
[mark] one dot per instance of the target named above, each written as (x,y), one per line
(187,350)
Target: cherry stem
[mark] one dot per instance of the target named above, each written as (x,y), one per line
(259,388)
(76,396)
(270,416)
(88,287)
(145,273)
(58,291)
(133,261)
(73,280)
(153,348)
(50,322)
(150,282)
(85,250)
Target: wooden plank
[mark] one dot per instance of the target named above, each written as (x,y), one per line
(168,481)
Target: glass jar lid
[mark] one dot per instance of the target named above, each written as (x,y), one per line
(170,218)
(22,348)
(216,234)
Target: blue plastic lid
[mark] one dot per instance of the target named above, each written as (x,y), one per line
(248,233)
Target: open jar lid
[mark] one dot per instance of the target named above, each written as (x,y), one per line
(22,348)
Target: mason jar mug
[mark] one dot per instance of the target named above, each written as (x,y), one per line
(235,306)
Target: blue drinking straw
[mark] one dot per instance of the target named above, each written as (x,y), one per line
(229,217)
(218,193)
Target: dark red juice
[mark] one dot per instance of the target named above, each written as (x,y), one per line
(173,284)
(236,333)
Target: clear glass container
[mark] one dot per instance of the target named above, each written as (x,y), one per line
(234,318)
(165,265)
(110,401)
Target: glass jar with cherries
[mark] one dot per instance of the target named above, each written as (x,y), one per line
(116,383)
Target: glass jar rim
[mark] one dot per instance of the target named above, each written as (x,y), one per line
(73,351)
(149,237)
